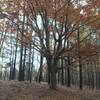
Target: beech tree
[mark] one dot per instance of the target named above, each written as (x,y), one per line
(52,23)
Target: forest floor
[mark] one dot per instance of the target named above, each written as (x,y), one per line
(14,90)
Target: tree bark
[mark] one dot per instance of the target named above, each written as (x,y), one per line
(53,70)
(53,80)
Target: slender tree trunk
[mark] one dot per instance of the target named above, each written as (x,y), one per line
(29,69)
(48,69)
(40,69)
(80,75)
(11,63)
(99,80)
(68,71)
(23,73)
(92,72)
(58,76)
(66,76)
(14,69)
(32,66)
(32,63)
(80,65)
(21,52)
(62,72)
(20,66)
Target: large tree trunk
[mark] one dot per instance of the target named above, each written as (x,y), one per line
(53,80)
(52,66)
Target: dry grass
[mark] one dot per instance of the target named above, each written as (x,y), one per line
(14,90)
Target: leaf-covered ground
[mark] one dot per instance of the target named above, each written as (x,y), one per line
(14,90)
